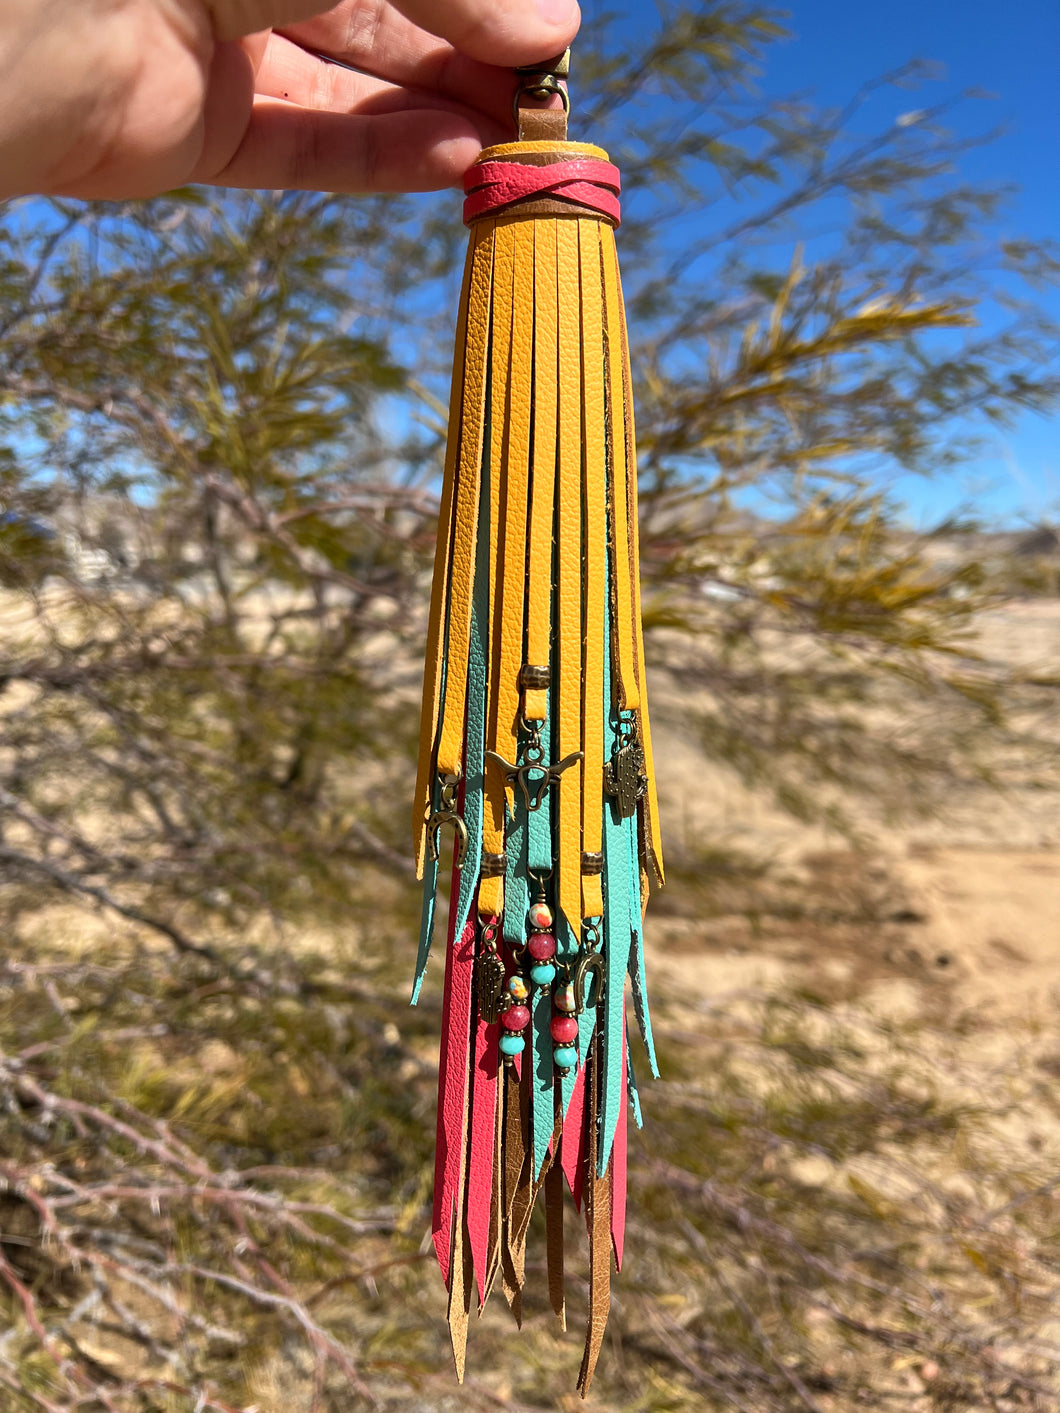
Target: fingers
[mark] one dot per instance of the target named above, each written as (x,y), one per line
(232,19)
(285,145)
(502,32)
(287,71)
(377,39)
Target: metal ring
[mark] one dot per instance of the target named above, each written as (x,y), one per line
(548,85)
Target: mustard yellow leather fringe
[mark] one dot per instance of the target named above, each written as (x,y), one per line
(535,752)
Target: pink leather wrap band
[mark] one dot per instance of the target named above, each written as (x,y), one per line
(584,181)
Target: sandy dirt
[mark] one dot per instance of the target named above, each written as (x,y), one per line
(968,901)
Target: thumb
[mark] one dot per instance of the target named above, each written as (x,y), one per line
(502,32)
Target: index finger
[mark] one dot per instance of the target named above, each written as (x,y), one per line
(378,39)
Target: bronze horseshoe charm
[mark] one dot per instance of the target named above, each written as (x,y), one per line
(589,963)
(434,828)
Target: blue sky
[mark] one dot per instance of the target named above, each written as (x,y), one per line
(1013,53)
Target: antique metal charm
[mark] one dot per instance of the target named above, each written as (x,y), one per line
(446,813)
(490,986)
(533,790)
(625,779)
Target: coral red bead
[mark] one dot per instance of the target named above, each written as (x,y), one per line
(541,946)
(516,1018)
(564,1030)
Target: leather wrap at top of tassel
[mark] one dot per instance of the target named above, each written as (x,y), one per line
(535,746)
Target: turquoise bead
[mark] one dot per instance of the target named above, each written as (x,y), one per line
(544,974)
(512,1044)
(565,1056)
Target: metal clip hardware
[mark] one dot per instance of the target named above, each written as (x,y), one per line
(542,80)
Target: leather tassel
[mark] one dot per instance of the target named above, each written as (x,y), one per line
(535,747)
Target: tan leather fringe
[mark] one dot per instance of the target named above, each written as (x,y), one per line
(554,1241)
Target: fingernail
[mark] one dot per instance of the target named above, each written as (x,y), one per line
(557,12)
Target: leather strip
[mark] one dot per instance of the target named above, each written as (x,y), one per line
(497,1225)
(594,535)
(542,125)
(627,689)
(514,1139)
(554,1241)
(480,1162)
(617,937)
(640,1000)
(476,679)
(461,1283)
(510,180)
(618,1168)
(567,692)
(574,1145)
(539,834)
(631,1090)
(453,1089)
(494,474)
(513,548)
(526,1190)
(598,1221)
(541,152)
(493,187)
(543,1076)
(466,518)
(429,871)
(455,1094)
(650,813)
(516,890)
(433,679)
(510,1279)
(543,481)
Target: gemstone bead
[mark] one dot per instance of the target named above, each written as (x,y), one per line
(564,1030)
(517,988)
(515,1018)
(544,974)
(565,1056)
(512,1044)
(565,999)
(540,916)
(541,946)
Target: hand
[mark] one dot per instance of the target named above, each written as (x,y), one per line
(123,98)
